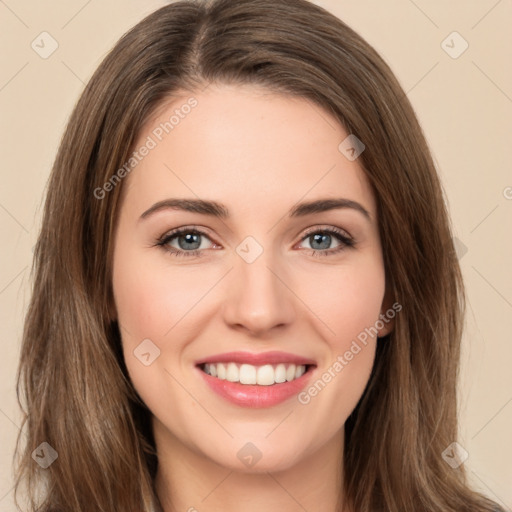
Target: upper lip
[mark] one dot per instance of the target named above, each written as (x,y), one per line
(260,359)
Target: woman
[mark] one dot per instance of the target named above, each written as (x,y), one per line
(248,371)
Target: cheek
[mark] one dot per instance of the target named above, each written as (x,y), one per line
(159,303)
(348,306)
(347,300)
(148,306)
(141,302)
(151,298)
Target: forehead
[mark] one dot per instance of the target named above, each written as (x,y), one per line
(245,145)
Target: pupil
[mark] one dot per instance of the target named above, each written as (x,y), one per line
(189,239)
(318,237)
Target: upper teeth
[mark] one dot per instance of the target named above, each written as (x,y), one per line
(265,375)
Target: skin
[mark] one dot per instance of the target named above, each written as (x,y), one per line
(258,153)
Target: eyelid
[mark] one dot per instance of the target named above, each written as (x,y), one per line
(184,229)
(327,228)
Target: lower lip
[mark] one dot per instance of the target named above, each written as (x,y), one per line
(254,396)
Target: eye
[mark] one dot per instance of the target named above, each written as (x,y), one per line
(188,240)
(321,239)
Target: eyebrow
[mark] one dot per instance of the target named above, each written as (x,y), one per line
(219,210)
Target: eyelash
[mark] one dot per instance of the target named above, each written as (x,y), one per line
(346,241)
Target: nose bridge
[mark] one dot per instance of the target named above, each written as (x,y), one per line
(259,298)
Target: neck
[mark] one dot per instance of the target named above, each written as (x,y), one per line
(188,481)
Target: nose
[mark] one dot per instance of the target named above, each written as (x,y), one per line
(259,298)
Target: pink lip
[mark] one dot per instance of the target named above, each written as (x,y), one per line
(257,359)
(254,396)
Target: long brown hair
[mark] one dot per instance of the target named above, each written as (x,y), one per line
(72,382)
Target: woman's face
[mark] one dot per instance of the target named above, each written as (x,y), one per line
(240,295)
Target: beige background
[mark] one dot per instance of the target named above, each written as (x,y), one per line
(464,105)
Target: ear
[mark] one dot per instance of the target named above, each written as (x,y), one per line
(387,315)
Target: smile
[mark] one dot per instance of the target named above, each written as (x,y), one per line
(256,380)
(266,375)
